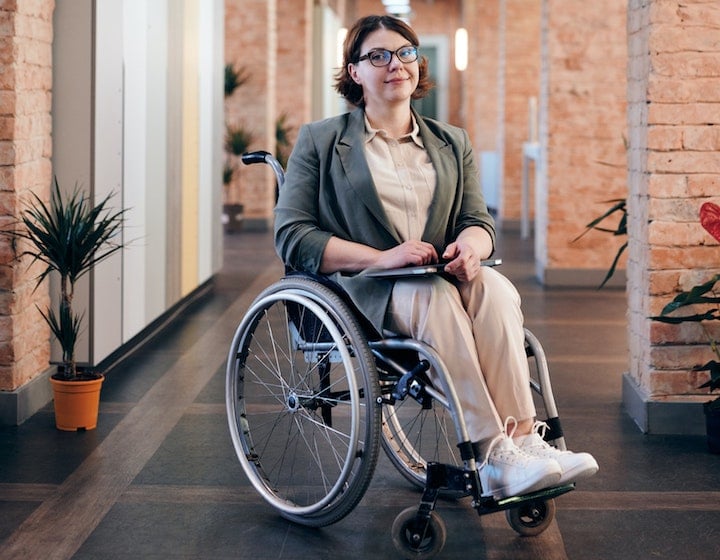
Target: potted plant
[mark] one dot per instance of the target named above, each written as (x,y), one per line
(237,142)
(69,237)
(706,296)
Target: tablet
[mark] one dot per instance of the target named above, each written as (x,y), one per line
(419,270)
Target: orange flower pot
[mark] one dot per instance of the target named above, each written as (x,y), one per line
(77,403)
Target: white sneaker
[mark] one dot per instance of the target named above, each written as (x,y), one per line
(575,466)
(509,471)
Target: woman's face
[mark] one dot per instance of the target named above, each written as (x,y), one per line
(391,84)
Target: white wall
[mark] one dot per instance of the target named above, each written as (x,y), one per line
(124,90)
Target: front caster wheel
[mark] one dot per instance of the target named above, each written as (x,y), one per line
(532,517)
(417,539)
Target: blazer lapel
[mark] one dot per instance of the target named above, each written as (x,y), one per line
(352,157)
(445,163)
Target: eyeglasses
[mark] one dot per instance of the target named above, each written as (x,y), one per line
(382,57)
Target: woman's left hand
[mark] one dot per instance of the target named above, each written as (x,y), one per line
(466,252)
(463,263)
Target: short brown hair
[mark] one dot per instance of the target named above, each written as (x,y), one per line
(351,90)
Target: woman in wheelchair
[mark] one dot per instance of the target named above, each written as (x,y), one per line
(383,187)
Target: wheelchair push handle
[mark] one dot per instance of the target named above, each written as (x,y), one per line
(261,156)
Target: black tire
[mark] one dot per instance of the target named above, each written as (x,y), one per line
(413,539)
(532,517)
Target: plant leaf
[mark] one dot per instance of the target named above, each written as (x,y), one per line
(613,266)
(696,295)
(714,368)
(619,205)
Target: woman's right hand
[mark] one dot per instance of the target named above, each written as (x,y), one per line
(348,256)
(408,253)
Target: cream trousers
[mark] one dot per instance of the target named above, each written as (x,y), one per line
(477,328)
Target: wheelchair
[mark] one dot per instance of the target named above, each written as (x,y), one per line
(313,395)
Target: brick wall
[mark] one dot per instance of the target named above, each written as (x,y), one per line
(251,45)
(481,17)
(584,132)
(521,82)
(294,62)
(674,162)
(25,167)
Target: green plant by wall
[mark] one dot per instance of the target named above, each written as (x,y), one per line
(706,297)
(234,78)
(283,145)
(618,207)
(69,236)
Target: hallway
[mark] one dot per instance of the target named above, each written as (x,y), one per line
(158,478)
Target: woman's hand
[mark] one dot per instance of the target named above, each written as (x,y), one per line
(347,256)
(465,253)
(409,253)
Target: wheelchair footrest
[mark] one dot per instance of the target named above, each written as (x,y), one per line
(490,505)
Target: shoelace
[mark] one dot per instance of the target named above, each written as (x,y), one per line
(500,437)
(540,428)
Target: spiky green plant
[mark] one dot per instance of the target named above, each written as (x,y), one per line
(234,78)
(618,205)
(228,172)
(237,139)
(282,139)
(69,236)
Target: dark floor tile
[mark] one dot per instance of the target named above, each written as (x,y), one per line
(636,535)
(13,514)
(198,451)
(36,452)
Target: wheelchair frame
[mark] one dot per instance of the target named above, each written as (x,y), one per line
(310,397)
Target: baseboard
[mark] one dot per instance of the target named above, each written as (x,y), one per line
(672,415)
(19,405)
(256,224)
(579,278)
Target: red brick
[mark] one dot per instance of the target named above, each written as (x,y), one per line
(664,138)
(706,138)
(703,185)
(671,89)
(672,38)
(682,161)
(684,113)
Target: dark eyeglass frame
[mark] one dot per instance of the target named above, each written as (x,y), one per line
(388,54)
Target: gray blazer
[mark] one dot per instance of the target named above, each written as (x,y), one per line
(329,191)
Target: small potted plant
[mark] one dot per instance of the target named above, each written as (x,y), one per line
(69,236)
(706,296)
(237,141)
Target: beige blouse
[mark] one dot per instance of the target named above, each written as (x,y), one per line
(404,178)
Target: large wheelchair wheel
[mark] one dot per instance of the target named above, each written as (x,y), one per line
(302,402)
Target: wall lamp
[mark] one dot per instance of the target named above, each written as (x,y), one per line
(461,49)
(341,34)
(398,8)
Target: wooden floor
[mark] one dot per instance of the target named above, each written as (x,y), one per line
(158,478)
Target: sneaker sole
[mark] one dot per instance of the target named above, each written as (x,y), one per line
(580,472)
(518,489)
